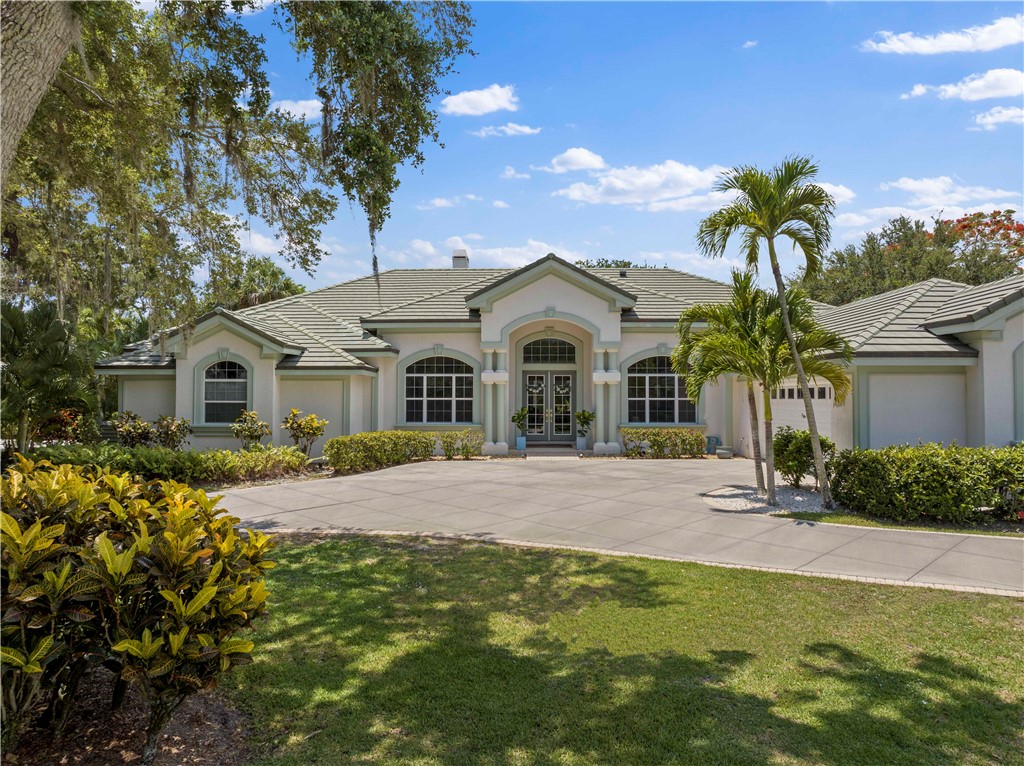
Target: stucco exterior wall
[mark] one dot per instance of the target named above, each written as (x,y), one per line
(326,398)
(149,398)
(991,386)
(912,407)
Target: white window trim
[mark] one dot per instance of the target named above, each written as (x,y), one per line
(680,385)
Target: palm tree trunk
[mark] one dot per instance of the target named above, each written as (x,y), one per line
(769,450)
(812,425)
(23,432)
(755,438)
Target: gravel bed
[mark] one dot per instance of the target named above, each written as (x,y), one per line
(746,500)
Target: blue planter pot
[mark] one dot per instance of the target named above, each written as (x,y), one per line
(520,442)
(581,443)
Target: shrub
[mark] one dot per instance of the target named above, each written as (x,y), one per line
(466,443)
(190,466)
(794,457)
(131,430)
(663,442)
(304,431)
(584,420)
(951,484)
(149,579)
(519,418)
(171,432)
(249,429)
(378,449)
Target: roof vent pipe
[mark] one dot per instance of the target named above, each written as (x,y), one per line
(622,272)
(460,259)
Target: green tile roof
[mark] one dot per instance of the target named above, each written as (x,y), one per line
(975,303)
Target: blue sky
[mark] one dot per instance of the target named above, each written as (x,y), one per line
(622,114)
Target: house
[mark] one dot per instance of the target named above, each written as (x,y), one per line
(462,347)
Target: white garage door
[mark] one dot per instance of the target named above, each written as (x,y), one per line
(788,408)
(907,408)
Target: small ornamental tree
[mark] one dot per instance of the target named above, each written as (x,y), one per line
(304,430)
(171,432)
(250,430)
(584,420)
(131,430)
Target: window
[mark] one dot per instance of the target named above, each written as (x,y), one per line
(225,392)
(549,350)
(655,394)
(821,392)
(439,389)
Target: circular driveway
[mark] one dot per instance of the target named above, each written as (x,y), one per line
(639,507)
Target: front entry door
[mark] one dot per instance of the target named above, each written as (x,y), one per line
(550,406)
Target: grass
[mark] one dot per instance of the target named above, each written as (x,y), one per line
(386,651)
(999,528)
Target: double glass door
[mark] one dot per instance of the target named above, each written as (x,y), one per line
(550,401)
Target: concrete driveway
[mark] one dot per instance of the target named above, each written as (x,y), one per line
(650,508)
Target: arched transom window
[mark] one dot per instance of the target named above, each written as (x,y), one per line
(549,351)
(655,394)
(225,392)
(439,389)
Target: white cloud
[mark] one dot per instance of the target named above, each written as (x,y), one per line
(576,158)
(669,185)
(841,194)
(493,98)
(515,255)
(422,247)
(1008,30)
(445,202)
(995,83)
(749,44)
(714,268)
(508,129)
(457,241)
(510,173)
(256,243)
(306,108)
(500,204)
(999,115)
(942,191)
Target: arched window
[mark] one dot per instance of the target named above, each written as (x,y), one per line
(655,394)
(225,392)
(549,350)
(439,389)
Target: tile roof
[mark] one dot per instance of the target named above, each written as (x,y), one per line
(890,324)
(974,303)
(142,355)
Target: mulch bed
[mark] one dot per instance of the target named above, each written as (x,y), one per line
(205,730)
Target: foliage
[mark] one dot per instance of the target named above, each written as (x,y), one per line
(465,443)
(131,430)
(212,466)
(584,420)
(43,369)
(613,263)
(519,419)
(664,442)
(151,579)
(120,226)
(793,456)
(171,432)
(260,281)
(378,449)
(784,202)
(949,484)
(974,249)
(250,430)
(304,430)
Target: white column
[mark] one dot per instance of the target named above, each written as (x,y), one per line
(612,438)
(599,394)
(497,386)
(487,417)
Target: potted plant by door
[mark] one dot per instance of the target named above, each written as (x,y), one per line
(584,420)
(519,418)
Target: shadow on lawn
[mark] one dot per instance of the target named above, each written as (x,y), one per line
(394,652)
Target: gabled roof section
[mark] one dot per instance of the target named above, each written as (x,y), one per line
(262,330)
(975,303)
(443,298)
(615,294)
(889,325)
(145,354)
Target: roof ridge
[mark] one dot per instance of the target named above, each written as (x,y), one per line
(340,320)
(422,298)
(292,298)
(658,292)
(645,270)
(913,295)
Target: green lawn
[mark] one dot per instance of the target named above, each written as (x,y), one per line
(1007,528)
(415,652)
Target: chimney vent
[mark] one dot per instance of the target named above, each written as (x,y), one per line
(622,272)
(460,259)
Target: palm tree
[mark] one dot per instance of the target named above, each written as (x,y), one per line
(43,369)
(783,202)
(730,344)
(747,337)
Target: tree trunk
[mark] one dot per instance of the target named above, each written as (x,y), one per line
(769,451)
(812,424)
(35,38)
(23,432)
(755,439)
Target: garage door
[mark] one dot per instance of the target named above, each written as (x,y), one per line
(907,408)
(788,408)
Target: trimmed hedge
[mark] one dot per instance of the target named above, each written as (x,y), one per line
(950,484)
(214,466)
(380,449)
(794,457)
(664,442)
